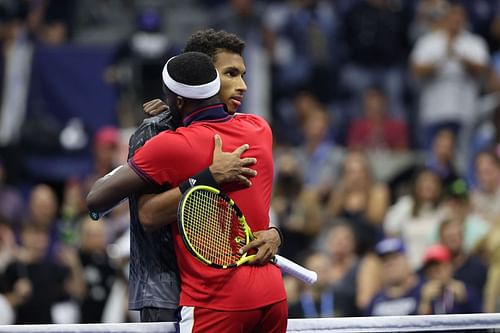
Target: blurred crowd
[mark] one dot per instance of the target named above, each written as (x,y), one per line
(386,120)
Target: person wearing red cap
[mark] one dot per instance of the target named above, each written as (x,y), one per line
(441,293)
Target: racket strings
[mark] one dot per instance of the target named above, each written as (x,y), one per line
(213,228)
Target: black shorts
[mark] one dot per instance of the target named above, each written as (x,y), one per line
(157,314)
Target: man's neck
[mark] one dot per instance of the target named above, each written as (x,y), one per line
(215,112)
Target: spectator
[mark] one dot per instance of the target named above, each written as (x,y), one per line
(291,117)
(106,154)
(99,272)
(16,59)
(43,208)
(319,156)
(49,282)
(449,63)
(297,209)
(467,268)
(415,217)
(441,158)
(342,268)
(358,198)
(400,292)
(458,206)
(441,293)
(309,50)
(316,300)
(375,32)
(489,249)
(52,20)
(8,246)
(10,298)
(427,17)
(135,65)
(376,130)
(11,201)
(485,197)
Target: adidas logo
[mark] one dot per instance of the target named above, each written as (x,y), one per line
(192,181)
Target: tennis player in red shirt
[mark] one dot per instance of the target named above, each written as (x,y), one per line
(245,299)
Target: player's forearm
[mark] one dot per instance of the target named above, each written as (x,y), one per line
(103,196)
(156,210)
(109,190)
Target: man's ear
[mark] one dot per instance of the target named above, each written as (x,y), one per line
(180,102)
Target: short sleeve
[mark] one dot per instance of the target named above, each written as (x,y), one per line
(428,49)
(474,49)
(156,161)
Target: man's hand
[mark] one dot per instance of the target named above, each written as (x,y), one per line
(266,243)
(230,167)
(154,107)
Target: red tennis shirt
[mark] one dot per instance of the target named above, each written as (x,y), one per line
(172,157)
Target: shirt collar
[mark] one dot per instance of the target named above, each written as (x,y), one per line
(213,113)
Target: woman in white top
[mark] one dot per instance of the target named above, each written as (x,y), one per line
(415,217)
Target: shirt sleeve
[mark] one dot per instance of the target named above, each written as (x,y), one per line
(474,49)
(428,50)
(156,161)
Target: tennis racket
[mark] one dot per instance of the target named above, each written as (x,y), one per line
(213,229)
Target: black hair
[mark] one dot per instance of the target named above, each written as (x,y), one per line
(192,68)
(211,42)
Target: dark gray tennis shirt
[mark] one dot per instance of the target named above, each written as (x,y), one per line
(154,280)
(154,277)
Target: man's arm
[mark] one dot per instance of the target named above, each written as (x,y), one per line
(111,189)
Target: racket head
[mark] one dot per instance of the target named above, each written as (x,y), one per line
(213,227)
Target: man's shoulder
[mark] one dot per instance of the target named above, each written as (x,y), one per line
(251,118)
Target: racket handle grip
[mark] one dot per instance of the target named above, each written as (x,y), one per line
(96,215)
(295,270)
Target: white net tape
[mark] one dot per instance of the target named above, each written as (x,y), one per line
(460,323)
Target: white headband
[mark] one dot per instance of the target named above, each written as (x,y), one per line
(201,91)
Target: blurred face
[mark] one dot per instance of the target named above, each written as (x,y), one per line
(316,126)
(452,236)
(395,269)
(444,146)
(487,173)
(374,105)
(355,169)
(43,204)
(289,175)
(231,68)
(93,236)
(318,262)
(35,241)
(340,242)
(456,19)
(440,271)
(304,102)
(428,187)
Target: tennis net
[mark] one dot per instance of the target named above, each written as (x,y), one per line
(435,323)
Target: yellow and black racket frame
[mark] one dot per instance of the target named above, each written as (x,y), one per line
(180,221)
